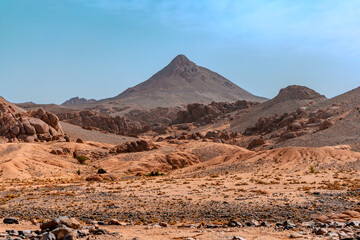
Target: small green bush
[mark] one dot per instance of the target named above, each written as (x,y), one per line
(78,172)
(81,159)
(312,169)
(155,174)
(102,171)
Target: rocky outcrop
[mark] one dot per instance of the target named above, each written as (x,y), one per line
(256,142)
(101,177)
(157,119)
(220,136)
(295,124)
(135,146)
(325,124)
(95,121)
(28,126)
(205,114)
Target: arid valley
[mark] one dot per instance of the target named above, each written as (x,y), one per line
(201,158)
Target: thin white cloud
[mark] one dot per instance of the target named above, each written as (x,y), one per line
(324,23)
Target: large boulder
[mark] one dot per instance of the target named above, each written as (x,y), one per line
(256,142)
(325,124)
(57,222)
(135,146)
(18,124)
(40,126)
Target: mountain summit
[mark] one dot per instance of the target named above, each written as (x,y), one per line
(181,60)
(183,82)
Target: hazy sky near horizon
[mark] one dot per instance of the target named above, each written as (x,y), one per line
(51,50)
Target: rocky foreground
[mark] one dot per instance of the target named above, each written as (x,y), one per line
(343,226)
(182,205)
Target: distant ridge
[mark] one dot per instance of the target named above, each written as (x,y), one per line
(77,100)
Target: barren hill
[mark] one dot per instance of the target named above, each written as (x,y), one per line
(344,114)
(185,82)
(287,101)
(294,93)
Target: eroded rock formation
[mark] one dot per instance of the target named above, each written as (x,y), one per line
(28,126)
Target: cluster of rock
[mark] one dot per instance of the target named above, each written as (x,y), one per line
(28,126)
(155,118)
(62,151)
(96,121)
(345,225)
(342,226)
(256,142)
(101,178)
(205,114)
(220,136)
(61,228)
(134,146)
(291,125)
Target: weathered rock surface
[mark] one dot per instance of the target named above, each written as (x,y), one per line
(101,177)
(136,146)
(96,121)
(292,125)
(256,142)
(204,114)
(57,222)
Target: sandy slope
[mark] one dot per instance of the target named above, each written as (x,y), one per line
(75,132)
(167,158)
(24,160)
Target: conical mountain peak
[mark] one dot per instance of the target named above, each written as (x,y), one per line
(181,60)
(182,82)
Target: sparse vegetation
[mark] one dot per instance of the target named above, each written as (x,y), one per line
(101,171)
(155,174)
(81,159)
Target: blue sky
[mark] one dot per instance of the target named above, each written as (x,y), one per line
(51,50)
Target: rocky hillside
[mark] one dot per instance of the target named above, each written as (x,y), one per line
(342,113)
(288,100)
(204,114)
(95,121)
